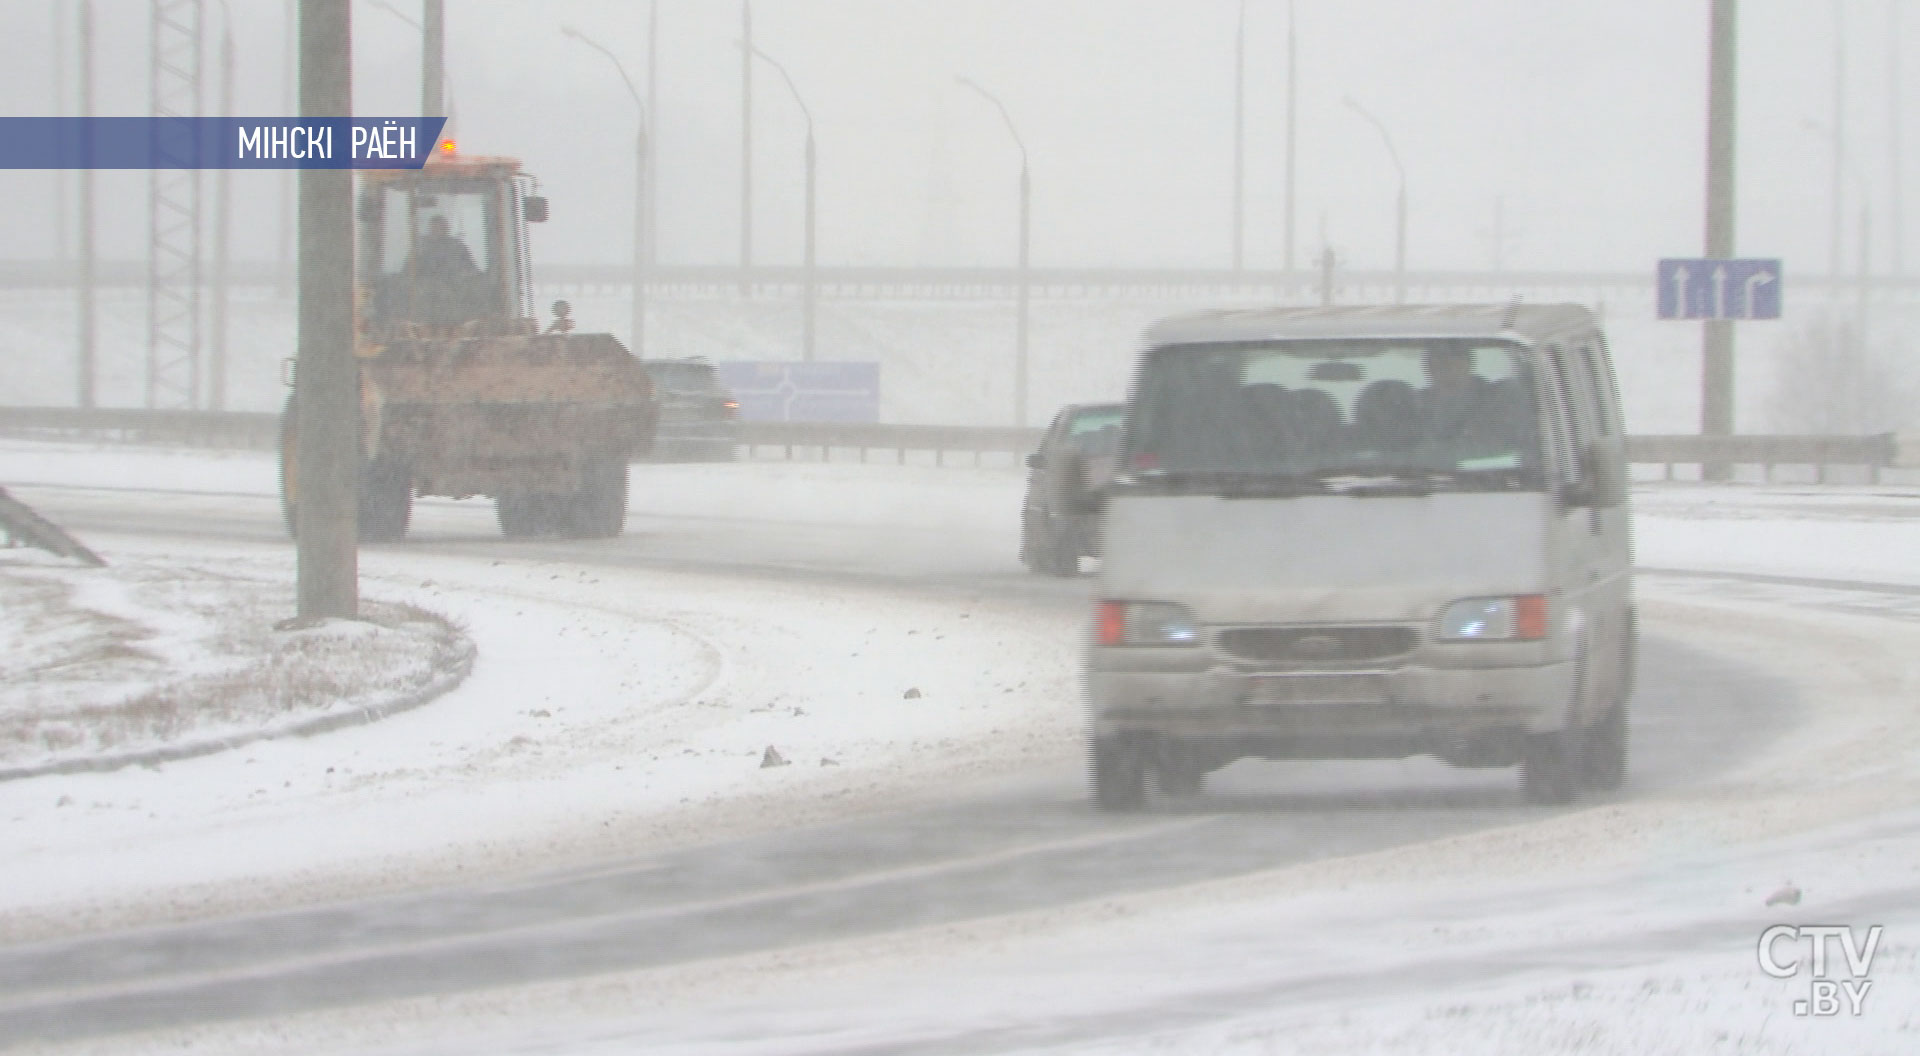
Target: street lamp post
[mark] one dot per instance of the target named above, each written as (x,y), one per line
(808,297)
(432,26)
(1240,141)
(1293,95)
(1400,205)
(1026,214)
(222,222)
(639,323)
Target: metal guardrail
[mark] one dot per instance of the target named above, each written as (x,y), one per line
(228,429)
(1875,452)
(821,440)
(888,282)
(868,437)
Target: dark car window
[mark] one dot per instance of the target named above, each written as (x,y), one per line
(683,378)
(1096,430)
(1315,406)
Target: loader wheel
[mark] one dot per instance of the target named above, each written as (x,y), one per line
(386,500)
(599,509)
(525,513)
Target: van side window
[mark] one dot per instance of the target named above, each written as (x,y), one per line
(1610,387)
(1597,391)
(1560,415)
(1566,370)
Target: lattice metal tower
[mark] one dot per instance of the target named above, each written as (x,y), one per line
(173,243)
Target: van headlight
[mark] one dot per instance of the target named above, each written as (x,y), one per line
(1145,623)
(1519,618)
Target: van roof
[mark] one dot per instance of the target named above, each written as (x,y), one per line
(1526,321)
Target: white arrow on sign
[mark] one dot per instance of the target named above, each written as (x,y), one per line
(1680,275)
(1719,293)
(1754,282)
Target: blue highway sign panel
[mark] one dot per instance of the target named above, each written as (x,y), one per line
(1705,288)
(787,391)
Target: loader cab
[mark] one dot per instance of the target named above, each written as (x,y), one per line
(446,247)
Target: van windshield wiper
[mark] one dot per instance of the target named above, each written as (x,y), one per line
(1226,484)
(1368,480)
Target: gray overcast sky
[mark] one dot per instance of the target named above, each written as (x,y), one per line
(1586,115)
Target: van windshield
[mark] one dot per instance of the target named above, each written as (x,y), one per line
(1447,412)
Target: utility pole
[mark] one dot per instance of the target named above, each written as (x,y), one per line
(433,58)
(1716,349)
(85,352)
(222,222)
(1293,99)
(1239,141)
(746,146)
(327,388)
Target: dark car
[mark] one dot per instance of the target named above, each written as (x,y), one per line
(699,418)
(1076,454)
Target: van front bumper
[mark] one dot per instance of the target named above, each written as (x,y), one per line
(1467,715)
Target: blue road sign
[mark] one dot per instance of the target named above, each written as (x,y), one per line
(1705,288)
(804,392)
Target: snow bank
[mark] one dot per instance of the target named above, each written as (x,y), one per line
(152,660)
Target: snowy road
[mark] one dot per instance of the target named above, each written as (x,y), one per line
(1031,844)
(998,842)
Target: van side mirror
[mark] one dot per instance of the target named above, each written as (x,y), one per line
(1576,493)
(535,208)
(1599,481)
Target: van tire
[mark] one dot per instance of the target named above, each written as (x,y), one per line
(1118,769)
(1549,768)
(1603,751)
(1181,779)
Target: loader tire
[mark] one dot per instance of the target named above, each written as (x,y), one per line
(386,500)
(526,513)
(599,509)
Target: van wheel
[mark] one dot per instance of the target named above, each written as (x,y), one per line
(1603,751)
(1180,778)
(1119,772)
(1549,768)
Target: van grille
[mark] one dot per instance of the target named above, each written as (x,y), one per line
(1318,647)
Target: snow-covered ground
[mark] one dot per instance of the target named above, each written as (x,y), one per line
(153,660)
(614,707)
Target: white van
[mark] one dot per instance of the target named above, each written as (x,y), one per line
(1366,533)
